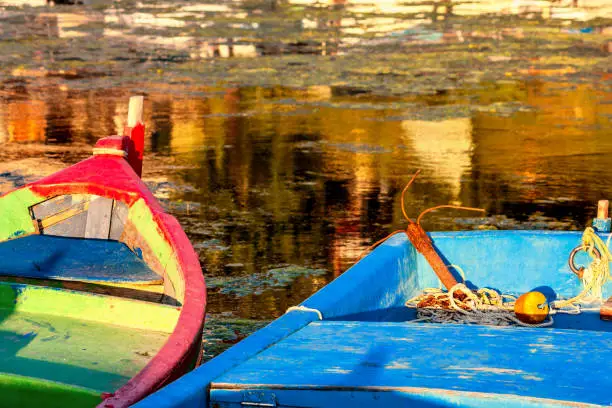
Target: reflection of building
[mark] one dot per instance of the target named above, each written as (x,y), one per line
(26,121)
(4,134)
(444,147)
(559,151)
(569,123)
(222,49)
(188,128)
(161,121)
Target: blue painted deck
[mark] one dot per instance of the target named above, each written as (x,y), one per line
(410,358)
(364,354)
(74,259)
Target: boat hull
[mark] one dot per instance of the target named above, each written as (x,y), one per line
(352,343)
(86,202)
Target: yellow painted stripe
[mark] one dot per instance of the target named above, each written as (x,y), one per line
(64,215)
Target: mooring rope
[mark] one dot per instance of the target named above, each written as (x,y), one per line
(305,309)
(596,274)
(461,305)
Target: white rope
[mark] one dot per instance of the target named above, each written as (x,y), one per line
(485,307)
(305,309)
(595,276)
(488,307)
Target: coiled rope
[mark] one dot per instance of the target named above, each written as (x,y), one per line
(461,305)
(596,274)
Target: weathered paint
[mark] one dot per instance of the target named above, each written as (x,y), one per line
(111,176)
(406,397)
(148,293)
(192,391)
(113,146)
(149,231)
(332,363)
(81,342)
(513,261)
(370,356)
(16,219)
(135,153)
(180,352)
(69,350)
(50,257)
(135,130)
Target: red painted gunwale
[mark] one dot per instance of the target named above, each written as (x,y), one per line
(112,176)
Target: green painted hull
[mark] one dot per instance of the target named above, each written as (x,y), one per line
(18,392)
(67,348)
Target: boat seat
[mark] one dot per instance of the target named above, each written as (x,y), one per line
(334,363)
(74,259)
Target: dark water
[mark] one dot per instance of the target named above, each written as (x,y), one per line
(281,188)
(265,178)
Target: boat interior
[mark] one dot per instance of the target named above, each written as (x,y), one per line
(71,234)
(93,240)
(353,342)
(511,263)
(88,296)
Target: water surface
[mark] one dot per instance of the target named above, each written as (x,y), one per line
(281,134)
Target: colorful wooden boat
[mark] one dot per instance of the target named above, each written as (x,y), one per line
(102,298)
(353,342)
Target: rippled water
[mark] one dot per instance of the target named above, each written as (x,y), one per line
(262,178)
(281,188)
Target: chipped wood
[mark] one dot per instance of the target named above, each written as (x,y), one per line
(99,218)
(118,220)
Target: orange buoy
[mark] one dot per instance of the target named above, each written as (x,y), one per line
(531,308)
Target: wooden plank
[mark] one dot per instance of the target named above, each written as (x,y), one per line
(367,356)
(192,390)
(148,292)
(99,218)
(407,397)
(605,312)
(73,227)
(62,216)
(118,218)
(57,204)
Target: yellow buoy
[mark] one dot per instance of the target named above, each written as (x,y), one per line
(531,308)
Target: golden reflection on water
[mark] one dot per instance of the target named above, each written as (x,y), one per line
(262,177)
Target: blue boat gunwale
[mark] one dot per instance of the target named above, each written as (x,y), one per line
(336,300)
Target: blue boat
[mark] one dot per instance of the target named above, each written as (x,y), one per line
(356,343)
